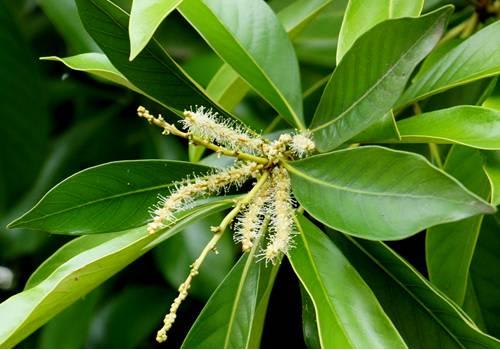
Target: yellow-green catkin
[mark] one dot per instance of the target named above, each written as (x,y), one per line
(249,223)
(282,228)
(186,193)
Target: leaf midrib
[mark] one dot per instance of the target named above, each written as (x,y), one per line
(295,117)
(367,193)
(323,289)
(93,202)
(379,81)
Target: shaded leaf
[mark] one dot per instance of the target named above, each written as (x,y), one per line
(24,126)
(492,169)
(64,16)
(450,247)
(129,318)
(377,193)
(174,257)
(484,276)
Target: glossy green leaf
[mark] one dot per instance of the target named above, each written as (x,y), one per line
(77,268)
(153,70)
(475,58)
(378,193)
(339,295)
(24,119)
(174,257)
(483,277)
(364,87)
(424,317)
(248,36)
(145,18)
(108,197)
(64,16)
(362,15)
(130,317)
(450,247)
(234,315)
(471,126)
(96,64)
(492,169)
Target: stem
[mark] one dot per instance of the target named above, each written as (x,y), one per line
(470,25)
(171,129)
(272,125)
(435,154)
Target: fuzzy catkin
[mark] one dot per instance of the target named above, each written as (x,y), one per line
(282,227)
(208,125)
(185,194)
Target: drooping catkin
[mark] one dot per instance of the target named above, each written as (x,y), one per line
(282,227)
(210,126)
(249,223)
(186,193)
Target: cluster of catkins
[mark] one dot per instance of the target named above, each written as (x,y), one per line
(271,203)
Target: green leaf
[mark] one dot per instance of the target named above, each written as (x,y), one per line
(492,169)
(109,197)
(96,64)
(145,18)
(339,295)
(153,71)
(309,321)
(297,15)
(381,194)
(130,317)
(57,335)
(364,87)
(471,126)
(234,315)
(77,268)
(484,276)
(475,58)
(248,36)
(63,14)
(24,116)
(226,86)
(175,255)
(424,317)
(450,247)
(362,15)
(383,129)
